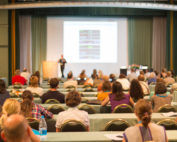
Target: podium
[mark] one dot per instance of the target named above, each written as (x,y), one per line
(123,70)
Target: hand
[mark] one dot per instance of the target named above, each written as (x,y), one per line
(32,136)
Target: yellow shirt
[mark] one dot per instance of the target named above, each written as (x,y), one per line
(102,95)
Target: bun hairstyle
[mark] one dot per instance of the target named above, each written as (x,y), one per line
(143,109)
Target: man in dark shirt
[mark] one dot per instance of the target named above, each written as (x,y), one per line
(53,93)
(62,62)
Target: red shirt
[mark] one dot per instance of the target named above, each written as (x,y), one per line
(19,79)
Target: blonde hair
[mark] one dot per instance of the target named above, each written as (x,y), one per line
(10,106)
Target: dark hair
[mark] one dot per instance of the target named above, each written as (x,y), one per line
(143,109)
(54,82)
(118,91)
(160,88)
(136,91)
(141,77)
(2,86)
(73,99)
(106,86)
(94,74)
(70,75)
(122,76)
(27,105)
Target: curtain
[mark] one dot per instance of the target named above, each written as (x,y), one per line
(39,31)
(175,43)
(140,41)
(25,42)
(159,43)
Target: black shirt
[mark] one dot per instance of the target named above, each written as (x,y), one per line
(53,95)
(3,97)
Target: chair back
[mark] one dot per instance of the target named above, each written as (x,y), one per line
(88,109)
(55,109)
(166,108)
(34,123)
(51,101)
(168,124)
(73,126)
(123,108)
(116,125)
(51,125)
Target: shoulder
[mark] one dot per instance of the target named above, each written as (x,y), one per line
(131,130)
(156,128)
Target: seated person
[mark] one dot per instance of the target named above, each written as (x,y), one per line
(169,80)
(4,94)
(152,78)
(18,79)
(30,109)
(25,74)
(144,130)
(105,78)
(82,78)
(70,81)
(144,85)
(132,75)
(163,74)
(112,77)
(160,97)
(117,97)
(34,86)
(16,129)
(124,81)
(94,74)
(73,99)
(53,93)
(106,90)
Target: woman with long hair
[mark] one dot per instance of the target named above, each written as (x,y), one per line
(136,91)
(117,97)
(144,130)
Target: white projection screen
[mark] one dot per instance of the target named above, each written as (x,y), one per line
(88,43)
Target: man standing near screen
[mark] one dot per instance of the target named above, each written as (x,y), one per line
(62,62)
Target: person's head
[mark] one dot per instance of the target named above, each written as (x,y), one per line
(24,69)
(73,99)
(160,88)
(143,111)
(141,77)
(156,73)
(37,73)
(105,78)
(2,86)
(70,75)
(62,56)
(112,77)
(117,90)
(169,74)
(141,72)
(164,70)
(34,81)
(136,91)
(152,75)
(54,82)
(122,76)
(16,129)
(17,72)
(132,70)
(106,86)
(94,71)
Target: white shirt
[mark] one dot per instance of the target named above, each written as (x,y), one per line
(125,83)
(36,90)
(70,82)
(74,114)
(144,87)
(132,76)
(26,75)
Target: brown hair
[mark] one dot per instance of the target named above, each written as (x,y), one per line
(122,76)
(54,83)
(141,77)
(73,99)
(34,81)
(143,110)
(118,91)
(2,86)
(27,105)
(160,88)
(106,86)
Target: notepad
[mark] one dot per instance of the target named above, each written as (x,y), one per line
(116,137)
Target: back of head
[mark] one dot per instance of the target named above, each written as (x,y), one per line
(34,81)
(117,90)
(160,88)
(143,110)
(17,72)
(70,75)
(25,70)
(152,75)
(132,70)
(169,74)
(2,86)
(106,86)
(73,99)
(54,82)
(122,76)
(105,78)
(15,129)
(141,77)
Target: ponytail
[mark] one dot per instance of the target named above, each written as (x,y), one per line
(26,107)
(146,119)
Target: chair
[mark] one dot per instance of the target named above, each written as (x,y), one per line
(17,86)
(34,123)
(73,126)
(88,90)
(123,108)
(168,124)
(51,101)
(55,109)
(88,109)
(166,108)
(116,125)
(51,125)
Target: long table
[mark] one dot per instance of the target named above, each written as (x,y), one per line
(93,136)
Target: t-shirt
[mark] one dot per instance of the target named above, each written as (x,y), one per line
(102,95)
(53,95)
(114,102)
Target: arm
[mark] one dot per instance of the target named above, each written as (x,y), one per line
(105,102)
(131,101)
(45,112)
(32,136)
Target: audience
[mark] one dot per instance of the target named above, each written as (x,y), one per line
(169,80)
(70,81)
(144,130)
(34,86)
(18,79)
(4,94)
(30,109)
(163,73)
(82,78)
(117,97)
(124,81)
(37,73)
(73,99)
(132,75)
(16,129)
(112,77)
(106,90)
(136,91)
(144,85)
(105,78)
(53,93)
(152,78)
(94,74)
(160,97)
(25,74)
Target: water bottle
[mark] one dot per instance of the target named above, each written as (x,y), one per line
(43,128)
